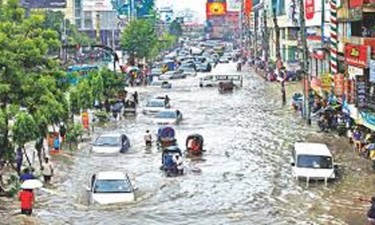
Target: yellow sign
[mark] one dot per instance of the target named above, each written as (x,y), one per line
(326,82)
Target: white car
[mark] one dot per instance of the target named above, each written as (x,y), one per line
(154,106)
(170,116)
(167,75)
(111,144)
(110,187)
(312,161)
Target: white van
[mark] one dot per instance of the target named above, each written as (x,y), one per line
(312,161)
(213,80)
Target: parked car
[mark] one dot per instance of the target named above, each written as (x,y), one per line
(159,83)
(224,59)
(169,116)
(154,106)
(312,161)
(111,144)
(110,187)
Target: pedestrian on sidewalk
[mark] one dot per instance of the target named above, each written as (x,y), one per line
(47,170)
(27,199)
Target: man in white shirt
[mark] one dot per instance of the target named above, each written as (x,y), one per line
(47,170)
(148,138)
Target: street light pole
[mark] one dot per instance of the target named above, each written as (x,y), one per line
(304,69)
(240,20)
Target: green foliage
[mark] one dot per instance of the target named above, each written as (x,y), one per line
(27,76)
(167,41)
(102,116)
(24,129)
(97,85)
(77,37)
(74,133)
(85,94)
(140,37)
(175,28)
(112,83)
(15,185)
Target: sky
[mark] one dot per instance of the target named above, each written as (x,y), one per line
(196,5)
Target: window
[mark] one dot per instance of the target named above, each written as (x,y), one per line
(78,23)
(88,20)
(283,30)
(77,13)
(292,51)
(77,3)
(314,162)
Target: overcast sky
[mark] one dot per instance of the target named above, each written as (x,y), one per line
(196,5)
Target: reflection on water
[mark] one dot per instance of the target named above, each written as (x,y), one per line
(243,178)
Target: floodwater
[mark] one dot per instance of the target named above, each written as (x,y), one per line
(245,175)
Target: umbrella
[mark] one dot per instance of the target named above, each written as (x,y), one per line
(31,184)
(131,68)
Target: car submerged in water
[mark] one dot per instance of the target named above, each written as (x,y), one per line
(110,187)
(111,144)
(169,116)
(312,161)
(153,106)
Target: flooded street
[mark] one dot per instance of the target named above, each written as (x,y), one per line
(245,175)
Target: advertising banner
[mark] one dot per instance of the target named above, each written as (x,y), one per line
(216,9)
(309,9)
(357,55)
(42,4)
(234,5)
(97,5)
(339,84)
(326,82)
(372,71)
(361,92)
(355,3)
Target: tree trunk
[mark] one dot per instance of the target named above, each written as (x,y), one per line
(27,157)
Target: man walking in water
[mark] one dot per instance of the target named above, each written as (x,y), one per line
(148,138)
(47,169)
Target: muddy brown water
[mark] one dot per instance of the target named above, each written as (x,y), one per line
(245,175)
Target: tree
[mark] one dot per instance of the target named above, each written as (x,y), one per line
(175,28)
(26,76)
(167,41)
(139,38)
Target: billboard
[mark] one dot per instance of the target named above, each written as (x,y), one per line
(42,4)
(234,5)
(216,9)
(97,5)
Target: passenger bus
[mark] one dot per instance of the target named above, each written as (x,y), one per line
(213,80)
(82,70)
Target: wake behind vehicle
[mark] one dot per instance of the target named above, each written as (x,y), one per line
(111,144)
(110,187)
(312,161)
(166,137)
(226,86)
(215,79)
(170,163)
(194,144)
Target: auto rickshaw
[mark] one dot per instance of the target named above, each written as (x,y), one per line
(166,137)
(169,161)
(194,144)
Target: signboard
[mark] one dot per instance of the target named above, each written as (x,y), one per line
(339,84)
(355,3)
(248,7)
(234,5)
(97,5)
(361,92)
(216,9)
(355,14)
(357,55)
(42,4)
(309,9)
(354,71)
(326,82)
(372,71)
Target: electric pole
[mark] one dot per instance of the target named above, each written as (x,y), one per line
(266,38)
(304,69)
(98,28)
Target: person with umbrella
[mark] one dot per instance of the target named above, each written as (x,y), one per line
(26,196)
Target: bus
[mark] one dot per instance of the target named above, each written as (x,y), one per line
(82,70)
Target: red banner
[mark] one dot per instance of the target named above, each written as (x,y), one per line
(309,9)
(339,84)
(215,9)
(248,7)
(355,3)
(357,55)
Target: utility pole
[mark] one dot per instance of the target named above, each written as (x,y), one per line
(266,37)
(241,29)
(304,69)
(97,28)
(277,33)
